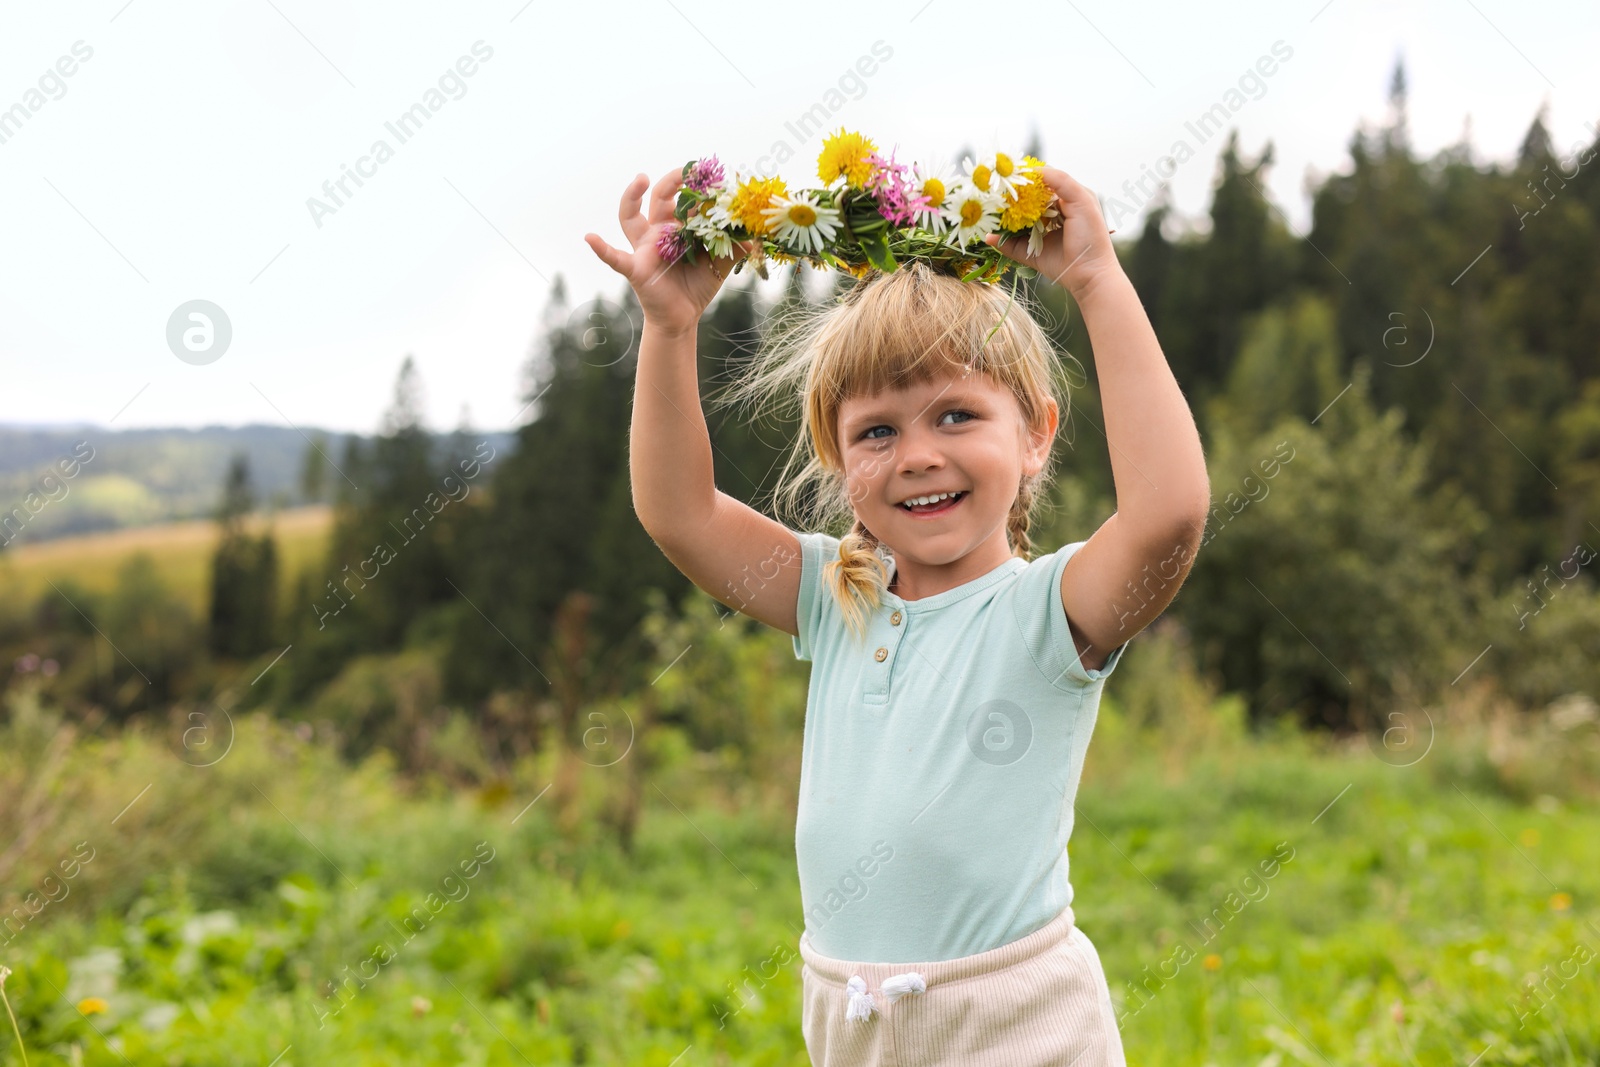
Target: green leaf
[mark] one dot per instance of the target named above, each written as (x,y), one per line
(877,252)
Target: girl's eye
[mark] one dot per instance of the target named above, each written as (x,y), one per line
(869,435)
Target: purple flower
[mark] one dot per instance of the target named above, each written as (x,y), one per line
(704,174)
(672,243)
(892,185)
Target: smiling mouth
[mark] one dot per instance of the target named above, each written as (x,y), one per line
(937,508)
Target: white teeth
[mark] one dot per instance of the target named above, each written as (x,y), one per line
(926,499)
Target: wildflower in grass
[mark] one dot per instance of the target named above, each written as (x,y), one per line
(92,1006)
(1528,837)
(1212,962)
(1561,901)
(5,972)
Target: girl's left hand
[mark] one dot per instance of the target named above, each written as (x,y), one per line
(1079,253)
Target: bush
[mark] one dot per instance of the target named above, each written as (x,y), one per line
(1330,588)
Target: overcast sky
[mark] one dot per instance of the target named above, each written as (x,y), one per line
(176,160)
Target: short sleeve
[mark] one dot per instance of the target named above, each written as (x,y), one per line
(814,604)
(1042,619)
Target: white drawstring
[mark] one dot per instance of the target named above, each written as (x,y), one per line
(897,986)
(894,987)
(860,1006)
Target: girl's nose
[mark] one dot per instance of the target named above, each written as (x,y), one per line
(919,454)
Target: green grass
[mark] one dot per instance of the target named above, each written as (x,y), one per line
(1404,928)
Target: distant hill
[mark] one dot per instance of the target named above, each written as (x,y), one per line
(143,477)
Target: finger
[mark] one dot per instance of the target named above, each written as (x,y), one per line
(633,223)
(1066,186)
(1013,247)
(665,197)
(1073,194)
(618,261)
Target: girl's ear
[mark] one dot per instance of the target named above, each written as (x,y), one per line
(1039,442)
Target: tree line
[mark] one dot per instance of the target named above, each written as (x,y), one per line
(1400,409)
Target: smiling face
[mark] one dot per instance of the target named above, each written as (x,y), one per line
(961,434)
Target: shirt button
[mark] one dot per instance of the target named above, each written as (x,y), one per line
(894,620)
(881,654)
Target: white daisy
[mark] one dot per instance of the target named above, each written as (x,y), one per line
(935,182)
(718,211)
(997,172)
(711,234)
(972,214)
(800,222)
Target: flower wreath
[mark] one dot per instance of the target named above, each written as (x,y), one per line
(871,213)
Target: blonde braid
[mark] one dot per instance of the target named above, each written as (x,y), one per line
(1018,521)
(858,577)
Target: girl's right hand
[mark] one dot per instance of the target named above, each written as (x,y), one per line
(672,297)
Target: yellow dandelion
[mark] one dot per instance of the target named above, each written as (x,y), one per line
(846,154)
(1212,962)
(750,203)
(1028,203)
(92,1006)
(1561,901)
(779,257)
(857,270)
(1528,837)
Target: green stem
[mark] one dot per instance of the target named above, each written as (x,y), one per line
(14,1027)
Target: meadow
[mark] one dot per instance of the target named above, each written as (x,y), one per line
(1431,895)
(181,552)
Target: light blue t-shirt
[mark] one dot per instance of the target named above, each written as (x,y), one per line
(940,760)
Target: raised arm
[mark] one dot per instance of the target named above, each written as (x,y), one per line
(1131,568)
(737,555)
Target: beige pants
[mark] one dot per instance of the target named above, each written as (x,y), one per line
(1040,1000)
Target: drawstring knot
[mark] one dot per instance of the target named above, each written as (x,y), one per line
(894,987)
(860,1006)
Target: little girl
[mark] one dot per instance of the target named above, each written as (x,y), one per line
(955,682)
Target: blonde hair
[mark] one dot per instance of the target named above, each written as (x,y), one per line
(908,327)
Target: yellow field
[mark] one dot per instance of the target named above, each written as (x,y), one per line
(181,550)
